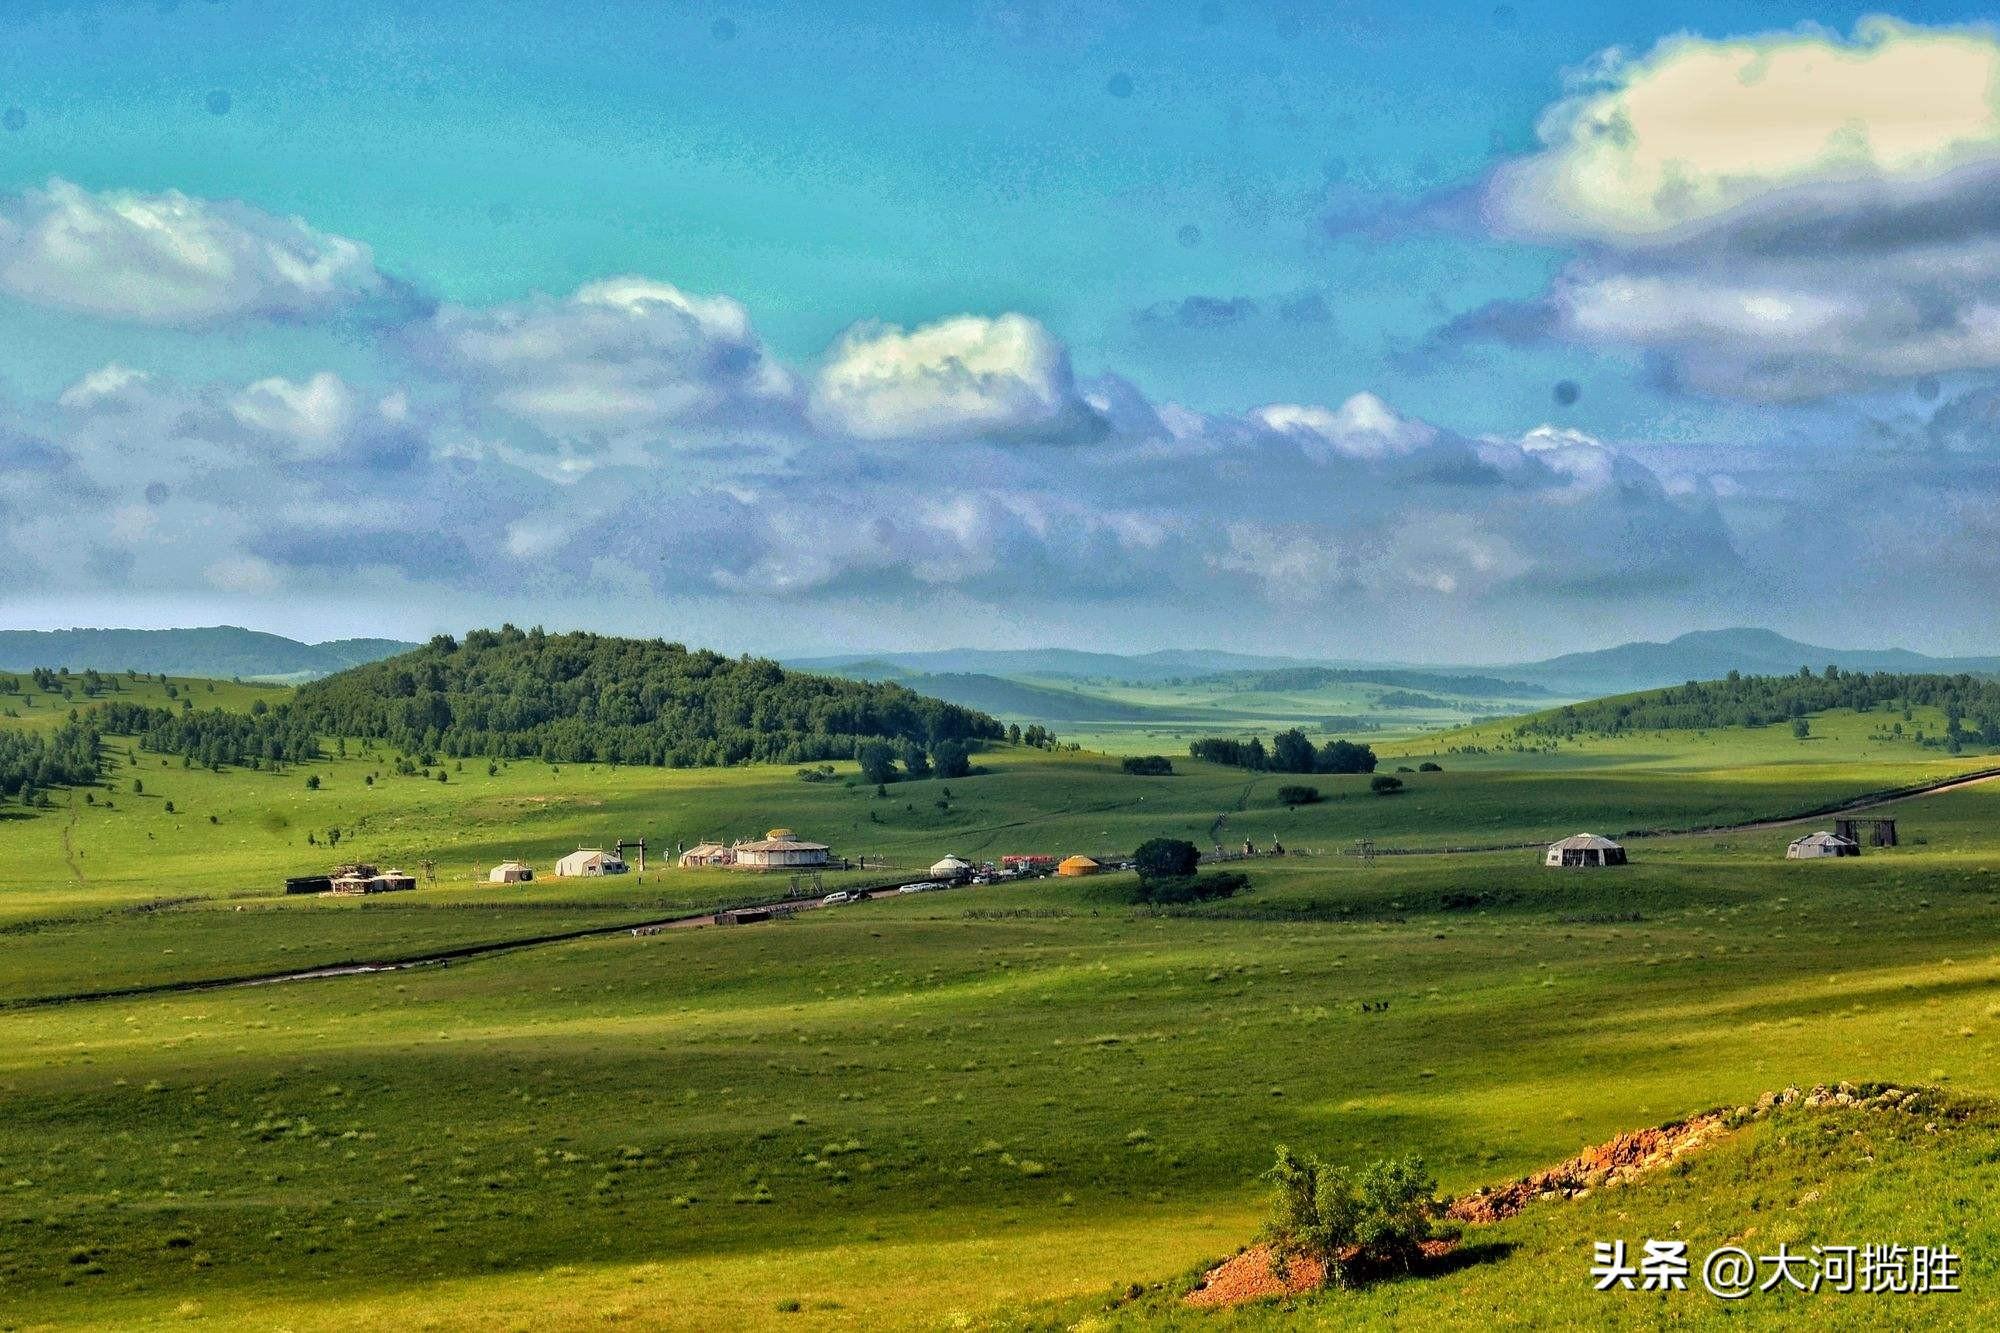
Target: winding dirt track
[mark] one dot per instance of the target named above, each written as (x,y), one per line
(699,920)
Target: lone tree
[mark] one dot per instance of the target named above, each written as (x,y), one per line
(1354,1222)
(951,759)
(1166,858)
(1385,784)
(877,760)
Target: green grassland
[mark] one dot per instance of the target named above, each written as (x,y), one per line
(991,1106)
(33,707)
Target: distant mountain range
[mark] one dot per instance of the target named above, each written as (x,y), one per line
(220,651)
(1712,654)
(1016,681)
(1700,655)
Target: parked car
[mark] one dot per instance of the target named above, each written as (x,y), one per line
(840,897)
(925,887)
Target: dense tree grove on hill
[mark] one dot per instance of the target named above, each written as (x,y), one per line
(32,762)
(1971,704)
(576,698)
(212,737)
(1290,752)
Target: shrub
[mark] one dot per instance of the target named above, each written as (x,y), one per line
(1355,1222)
(1149,766)
(1430,766)
(1166,858)
(1192,888)
(1295,795)
(1383,784)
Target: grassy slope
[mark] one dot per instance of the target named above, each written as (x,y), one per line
(1049,1095)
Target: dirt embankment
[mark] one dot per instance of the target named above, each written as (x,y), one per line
(1249,1276)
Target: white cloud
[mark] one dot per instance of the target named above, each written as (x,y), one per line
(964,376)
(1697,128)
(623,356)
(171,259)
(1363,427)
(243,574)
(313,416)
(1774,218)
(107,387)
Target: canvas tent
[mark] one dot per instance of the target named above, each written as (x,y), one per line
(1815,845)
(952,867)
(1078,865)
(1585,849)
(587,862)
(707,854)
(510,872)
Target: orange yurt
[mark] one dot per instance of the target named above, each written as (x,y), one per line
(1078,865)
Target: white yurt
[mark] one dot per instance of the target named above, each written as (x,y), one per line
(952,867)
(1585,849)
(510,872)
(586,862)
(1815,845)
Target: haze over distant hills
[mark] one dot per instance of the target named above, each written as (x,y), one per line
(1011,680)
(220,651)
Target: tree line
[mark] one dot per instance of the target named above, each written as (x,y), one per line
(1970,704)
(31,762)
(1289,752)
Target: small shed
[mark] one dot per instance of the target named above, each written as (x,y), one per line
(952,867)
(510,872)
(707,854)
(1585,849)
(1815,845)
(1075,866)
(589,862)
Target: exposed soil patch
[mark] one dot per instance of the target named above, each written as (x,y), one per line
(1248,1276)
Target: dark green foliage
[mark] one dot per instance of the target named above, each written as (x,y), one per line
(1149,766)
(1382,784)
(1972,702)
(1357,1223)
(1190,888)
(212,737)
(1166,858)
(1296,795)
(32,761)
(878,762)
(585,698)
(1290,752)
(951,759)
(1430,766)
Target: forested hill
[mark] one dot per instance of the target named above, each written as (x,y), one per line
(1971,704)
(582,698)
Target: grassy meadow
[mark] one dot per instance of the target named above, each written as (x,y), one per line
(1001,1106)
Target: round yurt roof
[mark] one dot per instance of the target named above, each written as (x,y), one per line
(1580,842)
(1078,861)
(1824,839)
(953,860)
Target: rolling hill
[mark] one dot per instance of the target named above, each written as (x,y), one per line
(221,652)
(1713,654)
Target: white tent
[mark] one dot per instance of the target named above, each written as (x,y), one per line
(510,872)
(1585,849)
(1815,845)
(951,868)
(586,862)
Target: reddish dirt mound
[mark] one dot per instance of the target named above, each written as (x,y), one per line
(1248,1277)
(1608,1163)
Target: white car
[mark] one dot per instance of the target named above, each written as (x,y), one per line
(924,887)
(841,897)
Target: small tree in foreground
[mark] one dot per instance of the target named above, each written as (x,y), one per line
(1166,858)
(1383,784)
(1354,1222)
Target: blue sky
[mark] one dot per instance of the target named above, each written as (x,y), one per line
(1326,308)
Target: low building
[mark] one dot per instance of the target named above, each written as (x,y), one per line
(707,854)
(1027,863)
(1073,867)
(510,872)
(352,882)
(588,863)
(951,868)
(1815,845)
(1584,849)
(780,849)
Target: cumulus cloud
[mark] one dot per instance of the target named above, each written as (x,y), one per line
(969,376)
(1772,219)
(1362,427)
(314,415)
(171,259)
(625,356)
